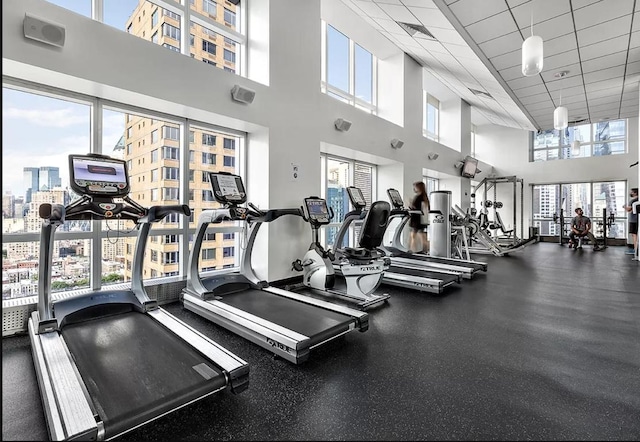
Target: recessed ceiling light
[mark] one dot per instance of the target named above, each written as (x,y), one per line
(561,74)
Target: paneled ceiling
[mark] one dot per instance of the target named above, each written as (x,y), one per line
(475,45)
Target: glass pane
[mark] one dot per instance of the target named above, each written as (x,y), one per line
(432,120)
(145,20)
(574,196)
(610,130)
(213,152)
(581,133)
(363,74)
(612,148)
(212,48)
(69,269)
(337,59)
(82,7)
(337,197)
(540,155)
(42,175)
(546,138)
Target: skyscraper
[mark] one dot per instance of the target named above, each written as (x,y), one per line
(31,182)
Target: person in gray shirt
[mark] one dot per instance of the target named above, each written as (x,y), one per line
(581,227)
(632,218)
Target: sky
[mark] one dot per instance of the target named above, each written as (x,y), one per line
(42,131)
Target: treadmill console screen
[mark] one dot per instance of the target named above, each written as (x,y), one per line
(317,210)
(227,188)
(98,175)
(356,196)
(395,198)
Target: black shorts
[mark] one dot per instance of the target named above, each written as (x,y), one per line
(421,228)
(633,228)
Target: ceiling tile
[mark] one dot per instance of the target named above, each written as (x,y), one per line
(568,99)
(448,36)
(431,18)
(610,100)
(531,99)
(371,9)
(531,90)
(605,31)
(460,51)
(507,60)
(398,12)
(492,27)
(573,77)
(633,68)
(468,12)
(608,92)
(560,62)
(523,82)
(560,44)
(533,108)
(432,46)
(502,45)
(605,84)
(596,64)
(568,92)
(550,29)
(605,47)
(603,74)
(511,73)
(577,4)
(550,10)
(601,11)
(421,3)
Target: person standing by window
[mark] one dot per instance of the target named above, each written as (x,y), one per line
(632,218)
(581,227)
(419,223)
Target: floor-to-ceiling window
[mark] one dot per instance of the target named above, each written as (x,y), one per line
(338,174)
(597,199)
(167,159)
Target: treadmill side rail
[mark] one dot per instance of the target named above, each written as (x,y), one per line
(236,369)
(361,318)
(69,415)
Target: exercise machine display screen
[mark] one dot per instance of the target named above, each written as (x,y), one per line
(227,188)
(357,198)
(395,198)
(317,210)
(98,175)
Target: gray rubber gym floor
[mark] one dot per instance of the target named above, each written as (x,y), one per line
(545,345)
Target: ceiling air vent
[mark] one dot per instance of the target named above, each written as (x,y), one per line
(416,30)
(481,93)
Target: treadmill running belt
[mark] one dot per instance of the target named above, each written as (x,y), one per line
(428,258)
(135,369)
(315,322)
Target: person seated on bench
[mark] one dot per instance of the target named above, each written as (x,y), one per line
(581,227)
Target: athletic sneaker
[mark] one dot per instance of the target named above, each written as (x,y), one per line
(596,248)
(630,252)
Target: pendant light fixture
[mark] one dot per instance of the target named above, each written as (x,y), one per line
(532,53)
(561,114)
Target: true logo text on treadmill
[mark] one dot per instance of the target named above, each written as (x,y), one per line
(278,345)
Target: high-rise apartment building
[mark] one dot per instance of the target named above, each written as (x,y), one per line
(153,148)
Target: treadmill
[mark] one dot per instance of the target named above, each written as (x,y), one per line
(109,361)
(415,278)
(286,323)
(405,257)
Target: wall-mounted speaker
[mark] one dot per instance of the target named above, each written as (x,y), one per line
(396,143)
(44,31)
(243,94)
(342,124)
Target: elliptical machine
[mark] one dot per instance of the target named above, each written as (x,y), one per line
(361,267)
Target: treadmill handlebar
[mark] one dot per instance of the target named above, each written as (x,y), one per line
(157,213)
(266,216)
